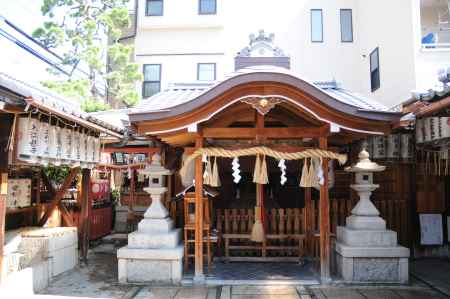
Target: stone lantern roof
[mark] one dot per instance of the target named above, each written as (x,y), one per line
(364,164)
(155,168)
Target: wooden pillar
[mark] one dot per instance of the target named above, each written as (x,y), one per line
(308,228)
(86,206)
(324,220)
(199,213)
(132,190)
(3,193)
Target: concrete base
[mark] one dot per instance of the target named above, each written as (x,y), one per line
(154,253)
(120,224)
(373,256)
(150,265)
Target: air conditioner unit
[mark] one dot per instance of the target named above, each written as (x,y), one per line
(419,130)
(379,147)
(393,146)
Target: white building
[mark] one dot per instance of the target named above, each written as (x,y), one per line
(370,47)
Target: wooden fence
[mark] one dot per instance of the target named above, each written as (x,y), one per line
(291,222)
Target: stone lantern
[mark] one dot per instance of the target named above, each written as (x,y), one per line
(154,252)
(366,250)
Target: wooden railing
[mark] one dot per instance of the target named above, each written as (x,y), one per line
(284,233)
(284,222)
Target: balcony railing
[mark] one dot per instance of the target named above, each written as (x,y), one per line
(436,46)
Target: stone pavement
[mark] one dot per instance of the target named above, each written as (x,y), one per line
(99,280)
(430,271)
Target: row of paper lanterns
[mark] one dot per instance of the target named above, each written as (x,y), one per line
(394,146)
(42,143)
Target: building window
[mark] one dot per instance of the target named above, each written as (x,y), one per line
(206,72)
(152,80)
(374,70)
(154,8)
(207,7)
(435,24)
(346,26)
(316,26)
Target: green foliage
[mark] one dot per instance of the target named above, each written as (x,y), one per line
(88,32)
(56,174)
(93,106)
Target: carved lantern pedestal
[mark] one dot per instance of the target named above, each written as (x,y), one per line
(365,250)
(154,252)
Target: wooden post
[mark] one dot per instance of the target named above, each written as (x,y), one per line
(308,220)
(324,220)
(199,213)
(132,191)
(58,195)
(84,214)
(3,193)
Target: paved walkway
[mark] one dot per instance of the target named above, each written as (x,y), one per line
(99,280)
(434,272)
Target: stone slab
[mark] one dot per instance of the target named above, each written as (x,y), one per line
(376,269)
(265,296)
(155,271)
(156,254)
(366,238)
(148,225)
(349,251)
(192,293)
(365,223)
(63,260)
(157,240)
(156,293)
(267,290)
(379,294)
(226,292)
(340,293)
(58,237)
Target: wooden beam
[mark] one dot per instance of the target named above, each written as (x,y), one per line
(275,133)
(199,213)
(3,193)
(84,214)
(132,150)
(65,215)
(324,220)
(59,195)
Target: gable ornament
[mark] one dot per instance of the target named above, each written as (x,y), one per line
(264,104)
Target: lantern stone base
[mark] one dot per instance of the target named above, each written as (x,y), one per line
(370,256)
(154,253)
(150,265)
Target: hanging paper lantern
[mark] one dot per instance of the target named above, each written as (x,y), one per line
(44,145)
(59,148)
(52,143)
(28,139)
(68,148)
(97,150)
(76,148)
(63,145)
(93,146)
(82,150)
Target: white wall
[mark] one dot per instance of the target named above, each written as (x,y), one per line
(190,38)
